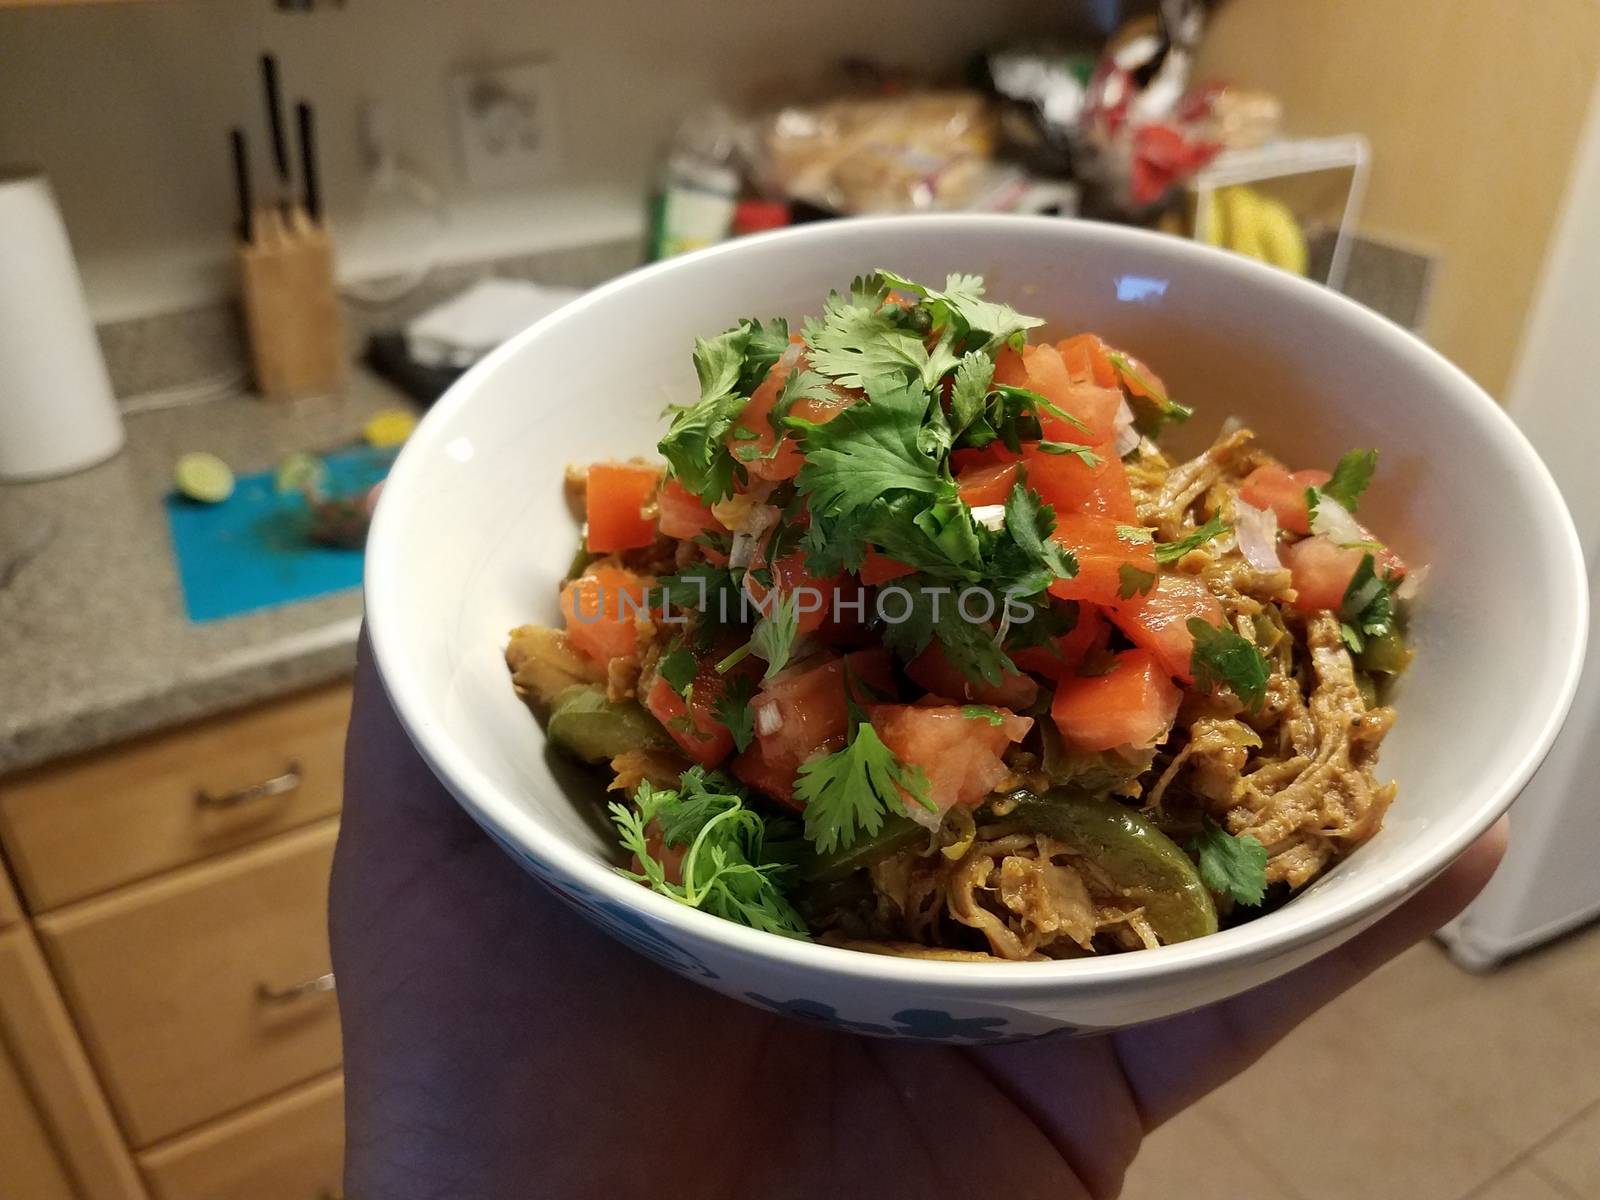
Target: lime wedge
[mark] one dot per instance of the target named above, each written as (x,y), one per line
(203,477)
(300,471)
(391,427)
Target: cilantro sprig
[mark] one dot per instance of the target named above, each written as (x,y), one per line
(1351,475)
(1231,865)
(1171,552)
(727,868)
(1367,609)
(1222,656)
(847,793)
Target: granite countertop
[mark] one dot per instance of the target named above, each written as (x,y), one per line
(94,643)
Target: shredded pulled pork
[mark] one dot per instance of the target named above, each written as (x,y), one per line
(1028,895)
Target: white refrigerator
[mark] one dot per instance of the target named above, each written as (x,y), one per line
(1550,881)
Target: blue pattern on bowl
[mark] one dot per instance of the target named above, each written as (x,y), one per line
(918,1024)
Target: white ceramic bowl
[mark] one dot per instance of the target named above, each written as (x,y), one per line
(472,535)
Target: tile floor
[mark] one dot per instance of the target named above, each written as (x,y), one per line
(1423,1083)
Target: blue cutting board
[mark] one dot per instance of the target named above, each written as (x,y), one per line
(251,552)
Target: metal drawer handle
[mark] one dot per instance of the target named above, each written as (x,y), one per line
(267,994)
(278,785)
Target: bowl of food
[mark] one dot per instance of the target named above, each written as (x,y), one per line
(975,627)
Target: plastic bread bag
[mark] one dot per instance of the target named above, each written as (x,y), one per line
(918,151)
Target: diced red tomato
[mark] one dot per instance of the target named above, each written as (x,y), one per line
(934,671)
(1132,704)
(1089,635)
(1096,407)
(994,454)
(987,484)
(879,569)
(683,516)
(1284,492)
(767,771)
(1101,555)
(790,575)
(1159,621)
(693,723)
(960,754)
(785,464)
(1009,369)
(811,714)
(1321,571)
(1131,380)
(617,494)
(1086,360)
(1069,485)
(603,611)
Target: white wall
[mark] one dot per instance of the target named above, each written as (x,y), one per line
(127,108)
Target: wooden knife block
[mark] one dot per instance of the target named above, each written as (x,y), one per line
(291,307)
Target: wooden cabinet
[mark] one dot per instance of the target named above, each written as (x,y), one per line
(171,999)
(84,827)
(204,990)
(10,910)
(30,1166)
(288,1148)
(38,1043)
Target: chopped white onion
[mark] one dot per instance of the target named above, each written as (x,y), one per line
(1412,583)
(769,719)
(1334,521)
(923,817)
(990,516)
(1127,435)
(1257,531)
(742,550)
(1231,425)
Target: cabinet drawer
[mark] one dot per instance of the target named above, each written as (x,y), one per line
(170,982)
(288,1148)
(38,1041)
(29,1166)
(87,826)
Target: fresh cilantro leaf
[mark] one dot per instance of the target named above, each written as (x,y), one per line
(773,639)
(869,450)
(679,667)
(961,306)
(847,793)
(728,869)
(982,712)
(764,346)
(1046,622)
(733,711)
(1136,535)
(1367,609)
(1151,406)
(1171,552)
(1030,522)
(1351,476)
(972,649)
(920,610)
(1222,656)
(1134,581)
(1025,398)
(694,449)
(940,539)
(969,390)
(859,339)
(708,590)
(1229,865)
(693,445)
(948,524)
(1085,454)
